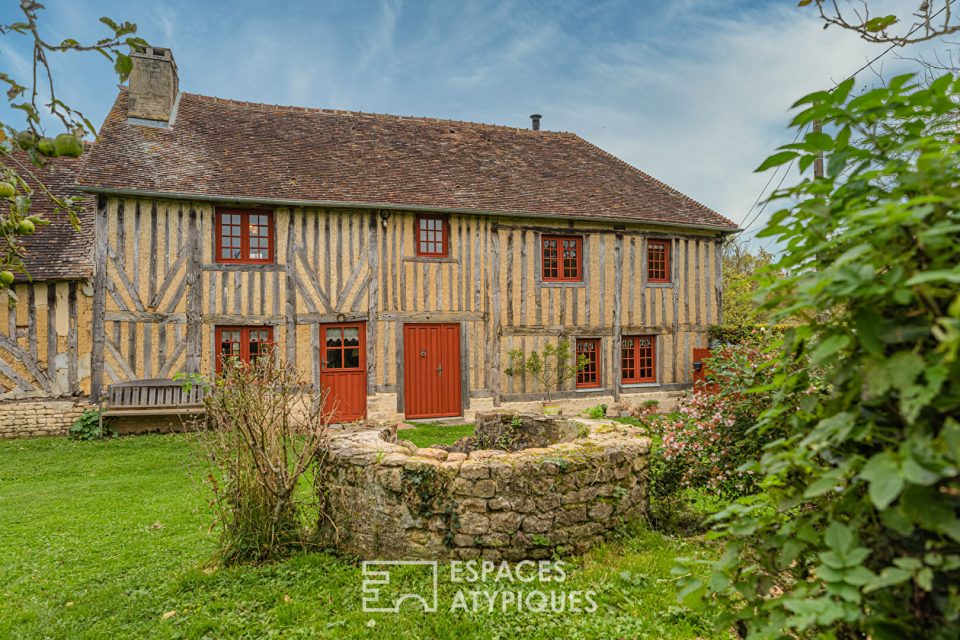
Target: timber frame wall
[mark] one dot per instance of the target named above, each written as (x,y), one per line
(45,340)
(158,293)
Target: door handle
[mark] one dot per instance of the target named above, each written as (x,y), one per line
(440,370)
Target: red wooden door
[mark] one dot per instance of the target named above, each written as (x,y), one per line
(700,383)
(343,370)
(431,370)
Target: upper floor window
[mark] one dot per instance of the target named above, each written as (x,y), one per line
(244,236)
(562,258)
(588,362)
(658,261)
(432,236)
(244,344)
(638,359)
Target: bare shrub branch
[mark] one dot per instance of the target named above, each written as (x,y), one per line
(264,429)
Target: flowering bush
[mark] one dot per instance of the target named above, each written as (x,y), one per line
(712,436)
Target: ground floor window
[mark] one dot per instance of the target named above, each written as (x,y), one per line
(588,359)
(242,343)
(342,344)
(638,359)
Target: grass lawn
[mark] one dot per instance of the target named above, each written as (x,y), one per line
(425,434)
(105,539)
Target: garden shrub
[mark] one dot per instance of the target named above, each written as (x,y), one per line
(87,427)
(596,412)
(712,436)
(264,428)
(859,534)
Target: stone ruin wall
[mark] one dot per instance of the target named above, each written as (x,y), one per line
(391,500)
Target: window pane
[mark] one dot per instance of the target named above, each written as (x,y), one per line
(334,359)
(351,358)
(351,337)
(334,337)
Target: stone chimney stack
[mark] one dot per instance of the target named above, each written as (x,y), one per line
(154,85)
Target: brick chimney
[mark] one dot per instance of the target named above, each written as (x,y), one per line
(154,85)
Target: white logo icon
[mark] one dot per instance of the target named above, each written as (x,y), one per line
(376,577)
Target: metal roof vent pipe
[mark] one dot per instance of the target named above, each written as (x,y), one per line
(535,121)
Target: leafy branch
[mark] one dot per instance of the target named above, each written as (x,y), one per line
(931,19)
(17,180)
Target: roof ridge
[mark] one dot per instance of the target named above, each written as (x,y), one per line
(263,106)
(623,162)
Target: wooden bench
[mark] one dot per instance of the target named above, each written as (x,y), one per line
(155,397)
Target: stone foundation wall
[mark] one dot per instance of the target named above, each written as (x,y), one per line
(24,418)
(391,500)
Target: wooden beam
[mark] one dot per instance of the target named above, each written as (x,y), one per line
(373,300)
(52,332)
(617,314)
(291,289)
(98,327)
(194,295)
(430,316)
(494,286)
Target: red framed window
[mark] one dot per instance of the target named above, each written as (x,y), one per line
(638,359)
(244,236)
(243,343)
(588,359)
(433,236)
(343,346)
(561,258)
(658,261)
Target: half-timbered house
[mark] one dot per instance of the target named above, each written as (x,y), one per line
(396,260)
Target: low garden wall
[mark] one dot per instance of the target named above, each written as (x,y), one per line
(387,499)
(24,418)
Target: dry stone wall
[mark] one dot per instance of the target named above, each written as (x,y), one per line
(24,418)
(388,499)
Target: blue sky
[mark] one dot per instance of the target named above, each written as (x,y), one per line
(695,92)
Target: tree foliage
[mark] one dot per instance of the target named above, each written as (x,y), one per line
(740,267)
(34,97)
(551,367)
(859,534)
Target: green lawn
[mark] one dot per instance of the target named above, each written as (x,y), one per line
(425,434)
(105,539)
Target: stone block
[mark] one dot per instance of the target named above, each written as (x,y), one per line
(601,511)
(536,524)
(476,505)
(504,521)
(471,470)
(474,523)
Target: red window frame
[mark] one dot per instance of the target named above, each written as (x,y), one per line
(243,340)
(658,261)
(589,376)
(638,361)
(425,238)
(244,228)
(329,362)
(555,264)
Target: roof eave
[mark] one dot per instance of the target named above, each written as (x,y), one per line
(288,202)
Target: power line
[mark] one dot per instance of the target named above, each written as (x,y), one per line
(852,75)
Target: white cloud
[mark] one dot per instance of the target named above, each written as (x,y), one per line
(695,92)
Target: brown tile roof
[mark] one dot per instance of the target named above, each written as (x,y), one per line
(56,251)
(223,148)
